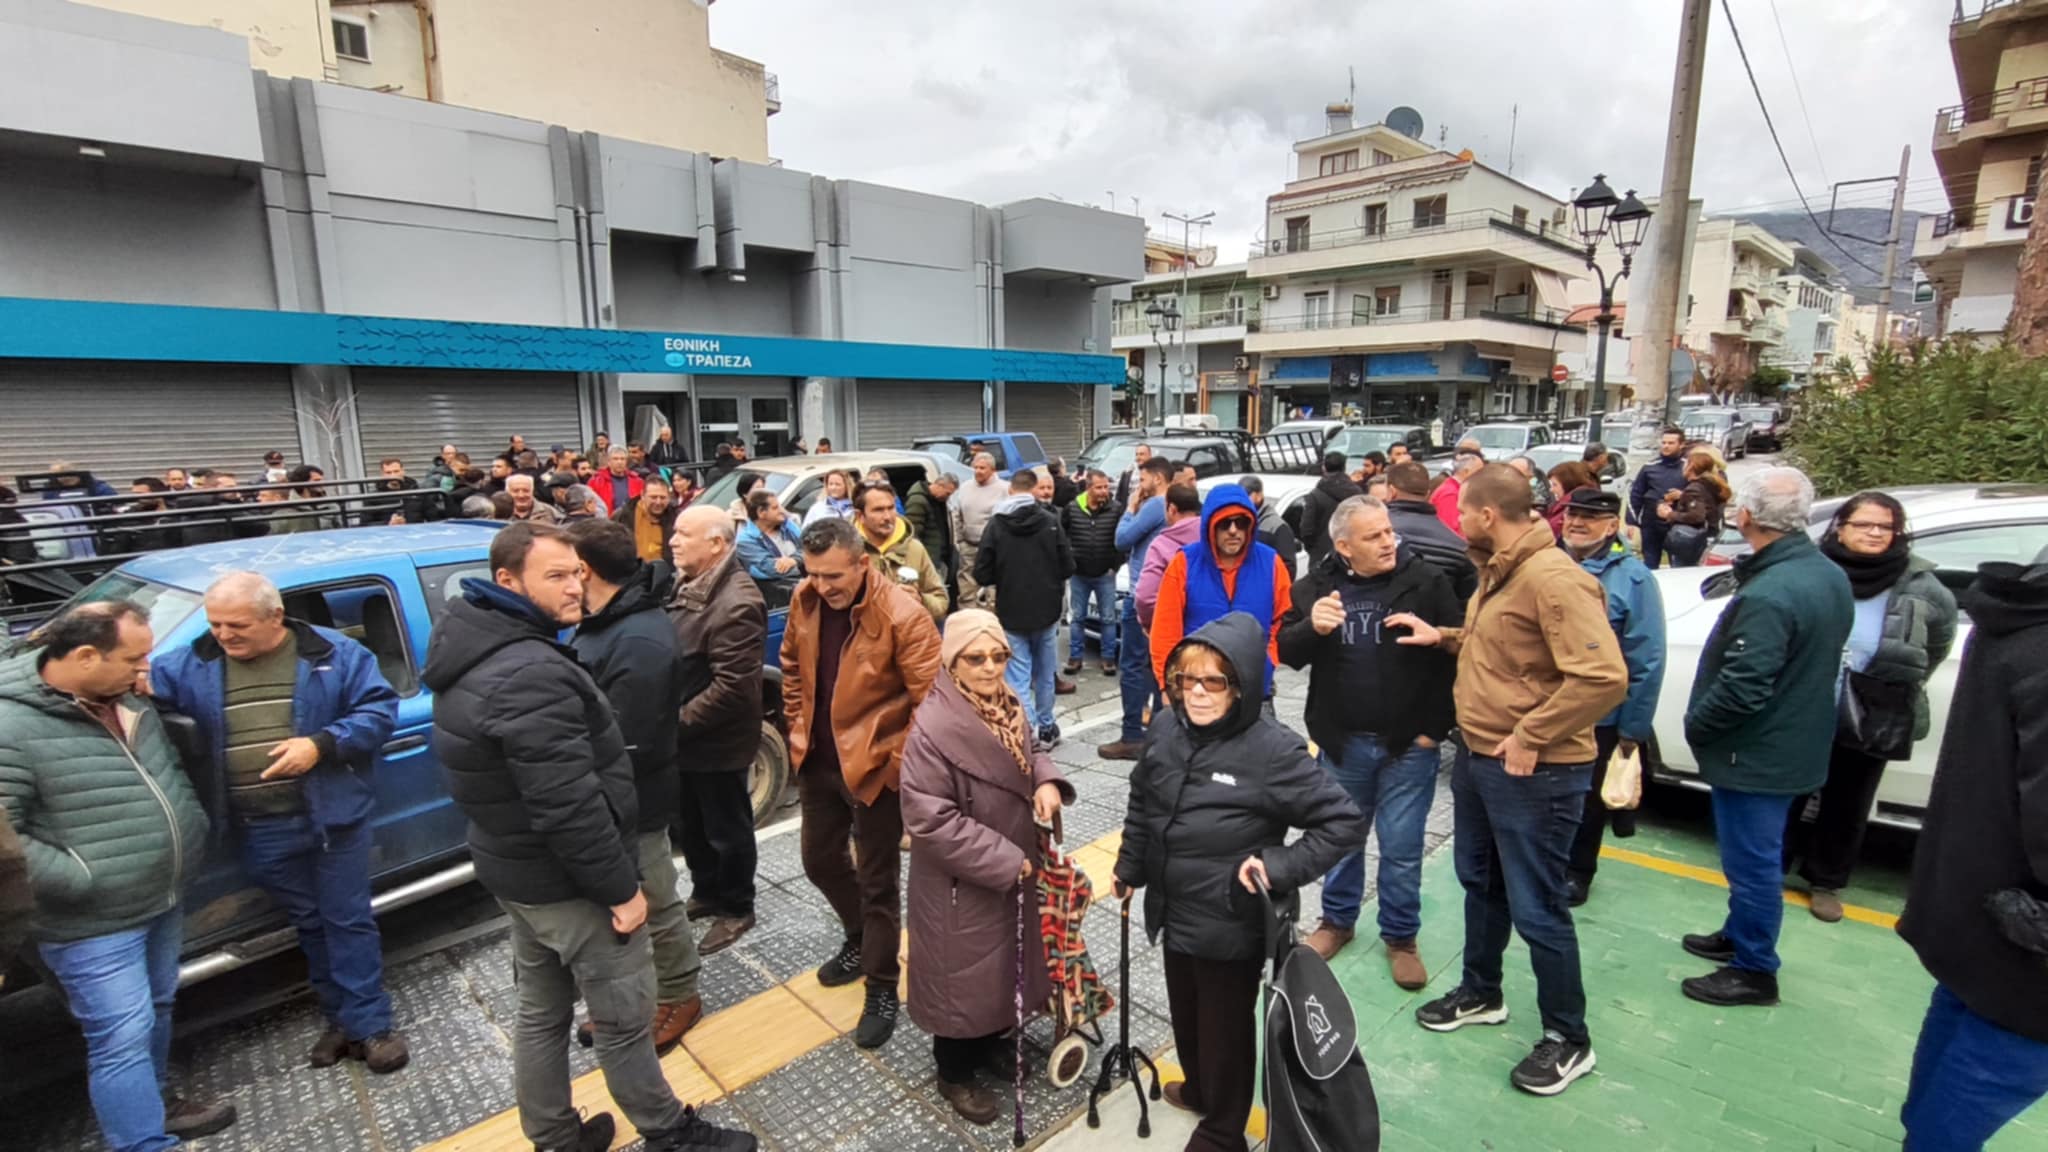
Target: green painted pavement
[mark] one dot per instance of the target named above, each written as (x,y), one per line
(1825,1069)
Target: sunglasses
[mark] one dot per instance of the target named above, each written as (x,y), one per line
(1212,683)
(1234,524)
(984,659)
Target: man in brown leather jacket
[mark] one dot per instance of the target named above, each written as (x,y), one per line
(858,655)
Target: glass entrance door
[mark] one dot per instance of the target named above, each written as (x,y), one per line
(718,422)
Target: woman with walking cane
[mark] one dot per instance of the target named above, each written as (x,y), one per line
(974,791)
(1212,799)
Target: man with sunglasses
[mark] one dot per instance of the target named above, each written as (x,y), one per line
(1225,571)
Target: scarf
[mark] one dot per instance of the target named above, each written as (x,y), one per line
(1004,717)
(1869,575)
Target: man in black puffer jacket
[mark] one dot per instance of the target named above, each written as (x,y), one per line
(1025,557)
(534,759)
(1332,489)
(1416,522)
(1090,523)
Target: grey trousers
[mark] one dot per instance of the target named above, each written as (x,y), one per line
(556,949)
(675,946)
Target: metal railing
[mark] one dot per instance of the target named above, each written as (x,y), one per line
(1536,228)
(1134,322)
(1518,309)
(1950,222)
(1983,8)
(771,85)
(2023,96)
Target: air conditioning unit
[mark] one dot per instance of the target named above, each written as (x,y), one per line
(1270,291)
(1274,246)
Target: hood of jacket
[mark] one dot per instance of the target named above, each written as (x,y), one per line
(2008,598)
(640,593)
(1616,551)
(1337,486)
(1221,499)
(1242,644)
(1771,555)
(1024,514)
(1496,567)
(897,535)
(484,619)
(21,681)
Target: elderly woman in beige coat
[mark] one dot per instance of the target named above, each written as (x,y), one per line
(974,787)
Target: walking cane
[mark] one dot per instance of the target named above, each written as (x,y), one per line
(1122,1059)
(1017,1037)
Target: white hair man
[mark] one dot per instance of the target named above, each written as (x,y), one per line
(1761,721)
(519,486)
(972,507)
(292,716)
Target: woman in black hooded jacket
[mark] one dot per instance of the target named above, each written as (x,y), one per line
(1212,799)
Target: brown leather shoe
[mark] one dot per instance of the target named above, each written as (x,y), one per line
(1407,964)
(383,1054)
(697,909)
(1109,668)
(673,1019)
(974,1103)
(1121,750)
(1826,905)
(1073,667)
(196,1119)
(328,1050)
(724,932)
(1176,1094)
(1328,939)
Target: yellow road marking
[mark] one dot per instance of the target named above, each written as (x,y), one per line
(1169,1073)
(1710,876)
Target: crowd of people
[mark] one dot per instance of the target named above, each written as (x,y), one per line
(1458,620)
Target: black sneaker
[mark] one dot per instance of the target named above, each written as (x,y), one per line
(1460,1007)
(842,969)
(694,1134)
(878,1019)
(1552,1065)
(1733,988)
(593,1135)
(1049,737)
(1576,889)
(1713,946)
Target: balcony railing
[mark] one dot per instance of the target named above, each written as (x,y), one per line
(772,84)
(2024,96)
(1531,226)
(1966,12)
(1517,309)
(1134,322)
(1949,222)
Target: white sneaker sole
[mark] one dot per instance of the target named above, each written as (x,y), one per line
(1583,1067)
(1490,1016)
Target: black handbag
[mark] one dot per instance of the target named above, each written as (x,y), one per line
(1685,544)
(1875,716)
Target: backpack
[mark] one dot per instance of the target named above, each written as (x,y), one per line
(1317,1091)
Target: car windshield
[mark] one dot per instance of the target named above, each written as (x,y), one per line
(166,607)
(1760,415)
(943,448)
(1708,421)
(1548,456)
(1502,438)
(1112,454)
(1359,441)
(1300,426)
(724,490)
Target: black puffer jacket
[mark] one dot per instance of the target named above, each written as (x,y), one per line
(1202,800)
(1024,556)
(1092,535)
(531,755)
(1415,521)
(1333,489)
(630,650)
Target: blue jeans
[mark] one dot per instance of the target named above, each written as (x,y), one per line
(1102,589)
(1030,672)
(320,879)
(121,987)
(1970,1078)
(1394,794)
(1513,843)
(1750,828)
(1134,674)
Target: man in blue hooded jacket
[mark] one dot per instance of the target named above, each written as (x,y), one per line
(1592,535)
(1227,570)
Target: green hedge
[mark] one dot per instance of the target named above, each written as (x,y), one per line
(1950,412)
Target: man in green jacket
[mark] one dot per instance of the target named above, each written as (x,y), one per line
(113,834)
(1761,721)
(17,903)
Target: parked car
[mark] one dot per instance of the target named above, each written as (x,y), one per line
(1766,427)
(1359,439)
(1325,428)
(386,587)
(800,480)
(1548,456)
(1957,526)
(1722,429)
(1012,450)
(1502,439)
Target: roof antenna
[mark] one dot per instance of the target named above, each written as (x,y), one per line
(1351,97)
(1514,121)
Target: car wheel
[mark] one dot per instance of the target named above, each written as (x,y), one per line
(769,774)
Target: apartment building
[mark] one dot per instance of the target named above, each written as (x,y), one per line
(637,69)
(1739,300)
(1399,279)
(1207,368)
(1988,150)
(1817,302)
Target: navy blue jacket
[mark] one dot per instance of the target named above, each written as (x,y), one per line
(342,703)
(1636,610)
(1662,474)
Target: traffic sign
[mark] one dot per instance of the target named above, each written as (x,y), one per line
(1559,373)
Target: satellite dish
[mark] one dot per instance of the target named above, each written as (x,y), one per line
(1407,121)
(1204,257)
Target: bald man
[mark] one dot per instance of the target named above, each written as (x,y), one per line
(721,627)
(293,716)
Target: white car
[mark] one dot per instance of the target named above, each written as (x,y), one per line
(1956,526)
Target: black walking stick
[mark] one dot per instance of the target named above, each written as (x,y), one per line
(1017,1037)
(1121,1058)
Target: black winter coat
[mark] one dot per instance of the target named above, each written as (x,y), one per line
(1413,697)
(1987,819)
(1333,489)
(531,755)
(1092,536)
(1025,557)
(630,649)
(1202,800)
(721,627)
(1415,521)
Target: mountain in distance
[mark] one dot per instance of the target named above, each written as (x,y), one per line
(1798,228)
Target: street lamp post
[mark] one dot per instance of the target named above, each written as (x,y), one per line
(1165,322)
(1623,219)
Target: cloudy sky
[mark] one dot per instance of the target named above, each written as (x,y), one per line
(1191,106)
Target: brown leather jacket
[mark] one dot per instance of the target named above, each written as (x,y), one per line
(721,626)
(890,662)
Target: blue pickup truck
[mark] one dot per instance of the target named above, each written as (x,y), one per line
(386,587)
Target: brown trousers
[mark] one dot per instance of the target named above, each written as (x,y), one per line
(1214,1004)
(862,885)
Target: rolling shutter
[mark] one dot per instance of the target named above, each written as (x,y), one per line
(1062,415)
(411,413)
(892,413)
(121,420)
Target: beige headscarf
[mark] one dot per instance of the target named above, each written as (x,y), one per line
(1003,715)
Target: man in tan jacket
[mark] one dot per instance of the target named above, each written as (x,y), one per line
(897,554)
(859,652)
(1538,666)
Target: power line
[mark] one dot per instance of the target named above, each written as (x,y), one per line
(1728,11)
(1799,91)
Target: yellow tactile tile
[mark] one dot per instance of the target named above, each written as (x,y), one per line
(755,1037)
(501,1133)
(840,1007)
(1169,1073)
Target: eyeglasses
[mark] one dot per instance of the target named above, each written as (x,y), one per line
(984,659)
(1870,527)
(1234,524)
(1215,684)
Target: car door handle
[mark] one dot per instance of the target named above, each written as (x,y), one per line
(403,747)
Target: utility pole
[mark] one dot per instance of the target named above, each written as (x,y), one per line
(1891,247)
(1658,322)
(1187,256)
